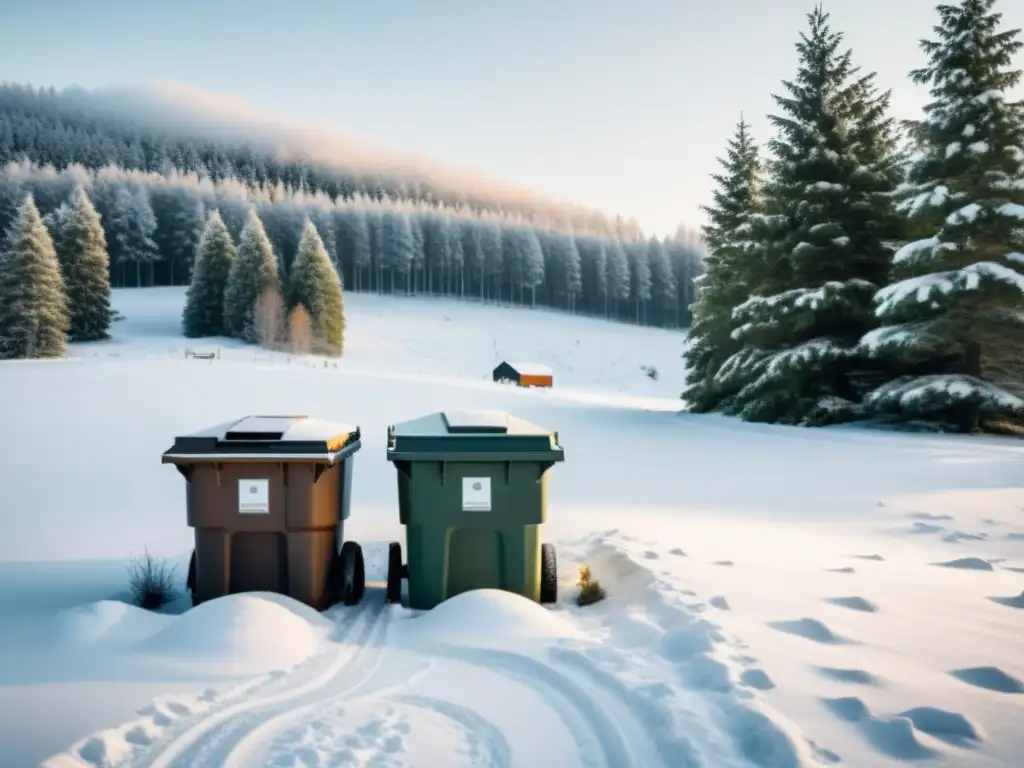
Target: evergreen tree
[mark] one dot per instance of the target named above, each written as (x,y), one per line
(639,278)
(180,215)
(955,305)
(532,259)
(12,193)
(727,282)
(594,264)
(687,266)
(398,245)
(824,241)
(283,222)
(86,268)
(323,219)
(419,254)
(435,246)
(512,267)
(353,244)
(253,271)
(618,275)
(663,280)
(456,257)
(204,302)
(470,238)
(33,301)
(314,284)
(573,270)
(490,256)
(129,224)
(55,221)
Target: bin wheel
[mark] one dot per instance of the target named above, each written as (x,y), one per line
(190,581)
(548,574)
(347,582)
(395,572)
(360,574)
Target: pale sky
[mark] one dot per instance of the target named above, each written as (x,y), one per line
(618,104)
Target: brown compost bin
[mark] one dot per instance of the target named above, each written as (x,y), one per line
(268,497)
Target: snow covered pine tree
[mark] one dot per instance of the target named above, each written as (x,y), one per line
(725,284)
(824,239)
(253,272)
(315,285)
(86,268)
(33,302)
(958,298)
(204,300)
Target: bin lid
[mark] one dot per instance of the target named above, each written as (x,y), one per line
(277,438)
(472,435)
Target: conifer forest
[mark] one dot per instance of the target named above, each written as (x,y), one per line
(864,268)
(854,266)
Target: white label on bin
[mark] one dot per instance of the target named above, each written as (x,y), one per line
(476,494)
(253,497)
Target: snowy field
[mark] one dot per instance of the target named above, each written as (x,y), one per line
(778,597)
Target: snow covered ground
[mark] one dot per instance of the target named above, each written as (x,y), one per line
(777,597)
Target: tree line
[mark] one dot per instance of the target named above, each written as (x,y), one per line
(865,268)
(152,223)
(76,127)
(55,285)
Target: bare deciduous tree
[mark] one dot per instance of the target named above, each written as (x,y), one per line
(269,317)
(300,332)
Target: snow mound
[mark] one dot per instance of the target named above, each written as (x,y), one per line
(967,564)
(483,616)
(248,629)
(942,724)
(303,611)
(626,580)
(990,678)
(1011,602)
(854,603)
(107,622)
(767,741)
(854,676)
(895,737)
(809,629)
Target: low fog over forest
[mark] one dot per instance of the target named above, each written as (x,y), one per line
(155,162)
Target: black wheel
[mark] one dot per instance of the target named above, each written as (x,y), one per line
(346,579)
(360,574)
(395,572)
(190,581)
(548,574)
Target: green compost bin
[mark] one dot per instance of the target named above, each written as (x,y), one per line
(472,494)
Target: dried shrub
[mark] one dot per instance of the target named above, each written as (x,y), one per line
(151,581)
(591,590)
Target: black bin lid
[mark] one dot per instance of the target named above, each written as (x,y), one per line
(261,428)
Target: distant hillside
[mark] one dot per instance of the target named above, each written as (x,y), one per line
(157,130)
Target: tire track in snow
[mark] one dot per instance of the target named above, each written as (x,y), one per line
(253,735)
(487,744)
(187,747)
(598,739)
(647,726)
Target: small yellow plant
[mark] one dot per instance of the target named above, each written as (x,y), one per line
(591,591)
